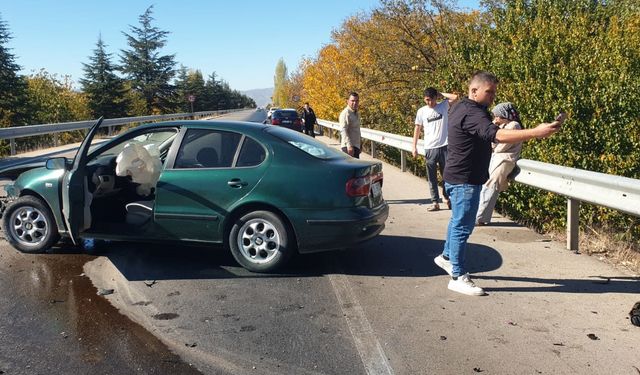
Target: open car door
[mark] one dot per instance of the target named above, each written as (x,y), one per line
(75,190)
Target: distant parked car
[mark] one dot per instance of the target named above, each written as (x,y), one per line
(287,118)
(263,191)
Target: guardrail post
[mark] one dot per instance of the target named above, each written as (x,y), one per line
(110,131)
(403,160)
(12,141)
(373,149)
(573,223)
(55,140)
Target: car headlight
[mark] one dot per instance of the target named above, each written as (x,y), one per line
(11,190)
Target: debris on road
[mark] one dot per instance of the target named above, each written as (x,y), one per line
(634,314)
(165,316)
(593,337)
(150,283)
(104,292)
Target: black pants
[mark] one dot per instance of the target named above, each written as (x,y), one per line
(356,152)
(308,130)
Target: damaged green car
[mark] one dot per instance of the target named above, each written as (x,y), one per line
(263,192)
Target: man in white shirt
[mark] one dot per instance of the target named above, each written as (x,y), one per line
(433,118)
(349,120)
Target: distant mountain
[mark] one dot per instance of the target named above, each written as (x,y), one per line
(262,97)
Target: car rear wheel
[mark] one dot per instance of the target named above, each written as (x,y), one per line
(29,225)
(260,241)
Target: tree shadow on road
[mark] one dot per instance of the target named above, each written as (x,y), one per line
(389,256)
(408,201)
(395,256)
(596,284)
(173,262)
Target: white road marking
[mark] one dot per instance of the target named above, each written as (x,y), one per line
(373,357)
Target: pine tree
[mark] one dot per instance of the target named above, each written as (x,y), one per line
(149,72)
(12,85)
(190,82)
(213,93)
(104,89)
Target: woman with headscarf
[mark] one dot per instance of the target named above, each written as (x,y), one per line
(503,160)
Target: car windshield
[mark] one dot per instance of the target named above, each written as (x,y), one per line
(305,143)
(157,138)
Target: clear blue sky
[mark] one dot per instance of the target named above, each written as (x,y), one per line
(240,40)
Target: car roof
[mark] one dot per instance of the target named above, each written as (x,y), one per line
(217,124)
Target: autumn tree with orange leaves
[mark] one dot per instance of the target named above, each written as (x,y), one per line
(580,56)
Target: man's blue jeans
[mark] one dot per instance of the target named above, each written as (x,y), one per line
(464,207)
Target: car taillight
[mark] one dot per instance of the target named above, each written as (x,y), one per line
(377,177)
(359,186)
(275,121)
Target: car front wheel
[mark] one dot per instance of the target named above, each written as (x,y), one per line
(260,241)
(29,225)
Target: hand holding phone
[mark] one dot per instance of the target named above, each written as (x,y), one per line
(561,117)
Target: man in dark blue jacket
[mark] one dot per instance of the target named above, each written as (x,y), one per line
(471,132)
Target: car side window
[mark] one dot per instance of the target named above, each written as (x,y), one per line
(203,148)
(251,154)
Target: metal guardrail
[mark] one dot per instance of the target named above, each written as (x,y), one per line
(12,133)
(578,185)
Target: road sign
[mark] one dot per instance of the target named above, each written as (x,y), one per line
(192,98)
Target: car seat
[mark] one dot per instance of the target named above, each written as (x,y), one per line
(139,212)
(207,157)
(143,166)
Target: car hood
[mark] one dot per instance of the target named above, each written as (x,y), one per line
(14,170)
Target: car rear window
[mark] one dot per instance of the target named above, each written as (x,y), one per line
(286,114)
(305,143)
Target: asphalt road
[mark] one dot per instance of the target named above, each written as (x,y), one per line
(381,308)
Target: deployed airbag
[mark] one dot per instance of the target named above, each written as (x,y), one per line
(142,163)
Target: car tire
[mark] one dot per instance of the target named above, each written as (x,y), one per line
(261,242)
(29,225)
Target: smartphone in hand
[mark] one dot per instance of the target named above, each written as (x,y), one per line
(561,117)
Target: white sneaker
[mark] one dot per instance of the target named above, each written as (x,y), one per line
(444,264)
(464,285)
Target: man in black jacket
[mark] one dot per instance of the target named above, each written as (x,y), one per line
(309,117)
(471,132)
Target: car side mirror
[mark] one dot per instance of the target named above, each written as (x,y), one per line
(57,163)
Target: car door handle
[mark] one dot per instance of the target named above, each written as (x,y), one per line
(236,183)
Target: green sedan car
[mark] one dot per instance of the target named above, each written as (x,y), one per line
(264,192)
